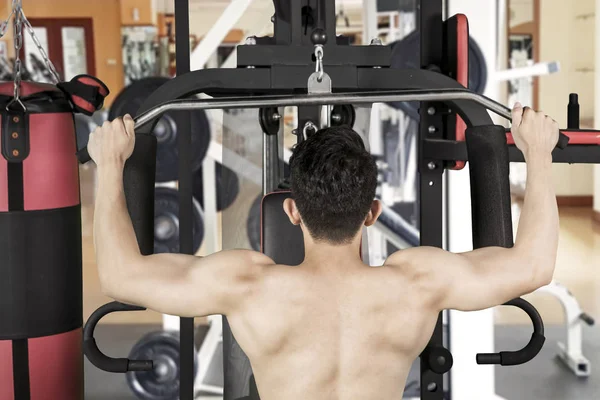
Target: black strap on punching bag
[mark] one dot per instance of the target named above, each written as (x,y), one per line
(20,356)
(15,148)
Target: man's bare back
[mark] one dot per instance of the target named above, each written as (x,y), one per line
(345,331)
(331,328)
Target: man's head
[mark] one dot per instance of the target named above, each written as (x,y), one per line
(333,179)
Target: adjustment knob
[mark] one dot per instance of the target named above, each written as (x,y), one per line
(318,36)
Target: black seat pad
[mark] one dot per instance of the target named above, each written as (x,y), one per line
(282,241)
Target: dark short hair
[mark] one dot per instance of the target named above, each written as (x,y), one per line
(333,181)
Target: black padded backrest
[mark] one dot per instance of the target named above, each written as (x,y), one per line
(282,241)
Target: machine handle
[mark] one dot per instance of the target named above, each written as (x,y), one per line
(83,156)
(563,141)
(101,360)
(528,352)
(588,319)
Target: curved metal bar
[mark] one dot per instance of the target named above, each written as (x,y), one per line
(330,99)
(95,355)
(244,82)
(528,352)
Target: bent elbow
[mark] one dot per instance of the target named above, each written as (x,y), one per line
(545,277)
(108,289)
(543,273)
(114,287)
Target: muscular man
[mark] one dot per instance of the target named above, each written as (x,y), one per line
(332,328)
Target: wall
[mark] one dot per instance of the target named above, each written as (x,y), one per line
(202,17)
(145,15)
(521,11)
(569,40)
(105,15)
(597,116)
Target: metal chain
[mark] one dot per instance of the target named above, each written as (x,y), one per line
(319,64)
(4,24)
(18,42)
(49,65)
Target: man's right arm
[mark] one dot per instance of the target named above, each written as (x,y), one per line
(491,276)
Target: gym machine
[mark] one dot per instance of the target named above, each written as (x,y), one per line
(270,73)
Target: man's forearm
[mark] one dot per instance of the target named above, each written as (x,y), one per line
(116,246)
(537,236)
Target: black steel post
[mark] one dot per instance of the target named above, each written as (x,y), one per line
(430,173)
(186,244)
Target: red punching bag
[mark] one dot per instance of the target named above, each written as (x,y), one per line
(40,240)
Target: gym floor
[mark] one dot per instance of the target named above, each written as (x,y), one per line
(543,378)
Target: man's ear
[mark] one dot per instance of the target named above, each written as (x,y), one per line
(289,206)
(374,213)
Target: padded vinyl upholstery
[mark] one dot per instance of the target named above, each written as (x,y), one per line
(281,240)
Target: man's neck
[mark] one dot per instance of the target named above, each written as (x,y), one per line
(322,253)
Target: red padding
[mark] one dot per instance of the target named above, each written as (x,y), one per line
(6,371)
(462,75)
(27,88)
(56,366)
(93,81)
(575,137)
(83,104)
(87,105)
(51,172)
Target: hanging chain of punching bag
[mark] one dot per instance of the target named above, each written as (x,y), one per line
(20,21)
(18,41)
(53,73)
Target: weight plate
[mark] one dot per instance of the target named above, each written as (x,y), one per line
(167,155)
(227,186)
(269,120)
(343,114)
(254,223)
(405,55)
(166,221)
(162,383)
(84,125)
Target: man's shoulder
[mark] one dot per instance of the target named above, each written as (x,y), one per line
(243,257)
(413,258)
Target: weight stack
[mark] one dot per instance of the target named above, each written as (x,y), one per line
(40,246)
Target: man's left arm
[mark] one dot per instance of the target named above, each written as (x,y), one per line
(173,284)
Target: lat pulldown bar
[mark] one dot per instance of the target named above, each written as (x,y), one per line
(454,97)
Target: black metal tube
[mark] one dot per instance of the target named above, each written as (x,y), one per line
(527,353)
(270,163)
(430,187)
(186,243)
(573,112)
(95,355)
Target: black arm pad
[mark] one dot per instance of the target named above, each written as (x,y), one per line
(139,178)
(490,187)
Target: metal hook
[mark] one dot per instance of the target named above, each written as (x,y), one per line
(15,100)
(309,125)
(319,64)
